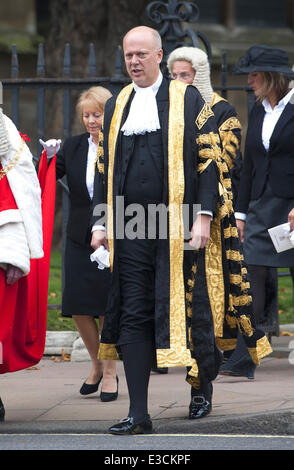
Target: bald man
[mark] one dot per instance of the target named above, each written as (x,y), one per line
(157,137)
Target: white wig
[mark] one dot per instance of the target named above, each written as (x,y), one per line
(5,145)
(200,64)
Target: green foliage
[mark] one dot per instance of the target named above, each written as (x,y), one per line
(55,322)
(286,299)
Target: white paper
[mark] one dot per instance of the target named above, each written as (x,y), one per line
(281,237)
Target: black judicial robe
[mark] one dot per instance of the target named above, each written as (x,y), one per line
(230,129)
(193,169)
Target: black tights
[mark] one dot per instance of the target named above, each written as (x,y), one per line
(138,359)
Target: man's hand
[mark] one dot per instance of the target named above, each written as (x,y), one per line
(241,228)
(13,274)
(291,219)
(200,232)
(98,239)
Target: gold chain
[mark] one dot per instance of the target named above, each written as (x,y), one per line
(5,170)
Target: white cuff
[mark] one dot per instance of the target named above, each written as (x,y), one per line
(240,216)
(98,227)
(205,213)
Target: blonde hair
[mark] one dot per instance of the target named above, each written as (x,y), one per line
(96,96)
(274,81)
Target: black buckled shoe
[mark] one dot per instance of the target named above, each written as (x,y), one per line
(199,407)
(201,402)
(2,411)
(128,426)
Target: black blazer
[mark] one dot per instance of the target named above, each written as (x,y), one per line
(275,166)
(72,162)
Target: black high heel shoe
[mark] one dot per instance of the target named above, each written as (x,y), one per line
(110,396)
(2,411)
(87,389)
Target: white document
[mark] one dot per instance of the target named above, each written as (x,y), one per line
(281,237)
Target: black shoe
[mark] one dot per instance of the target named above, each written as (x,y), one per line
(201,404)
(128,426)
(245,367)
(2,411)
(199,407)
(160,370)
(87,389)
(110,396)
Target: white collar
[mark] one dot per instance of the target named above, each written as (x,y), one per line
(91,142)
(281,104)
(154,87)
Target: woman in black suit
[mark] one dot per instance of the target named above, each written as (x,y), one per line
(266,192)
(86,286)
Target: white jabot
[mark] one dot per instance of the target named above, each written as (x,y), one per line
(143,115)
(90,173)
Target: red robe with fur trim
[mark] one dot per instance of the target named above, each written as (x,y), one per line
(23,305)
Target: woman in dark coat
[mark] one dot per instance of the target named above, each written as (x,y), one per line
(266,192)
(86,286)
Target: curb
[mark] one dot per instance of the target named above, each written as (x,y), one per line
(271,423)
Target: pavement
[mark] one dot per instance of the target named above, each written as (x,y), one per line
(46,399)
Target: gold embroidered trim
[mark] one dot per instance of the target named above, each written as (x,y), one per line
(214,276)
(194,382)
(263,348)
(229,124)
(209,139)
(193,375)
(121,102)
(230,147)
(178,354)
(242,300)
(226,344)
(216,98)
(202,166)
(203,116)
(107,351)
(231,321)
(234,255)
(225,210)
(13,162)
(231,232)
(244,321)
(100,154)
(237,279)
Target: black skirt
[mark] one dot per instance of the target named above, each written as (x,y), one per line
(85,287)
(266,212)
